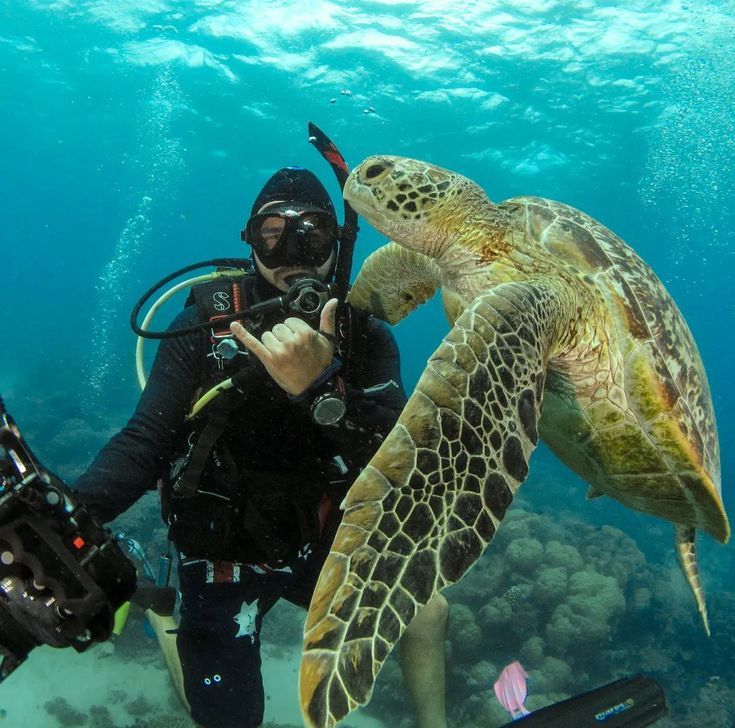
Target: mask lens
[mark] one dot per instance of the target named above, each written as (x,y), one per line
(292,238)
(319,232)
(264,233)
(271,231)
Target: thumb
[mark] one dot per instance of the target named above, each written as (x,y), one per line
(327,317)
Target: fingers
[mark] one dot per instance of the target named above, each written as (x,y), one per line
(326,330)
(250,342)
(287,331)
(291,337)
(327,318)
(295,326)
(291,334)
(279,340)
(293,352)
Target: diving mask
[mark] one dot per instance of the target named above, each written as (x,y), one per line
(292,236)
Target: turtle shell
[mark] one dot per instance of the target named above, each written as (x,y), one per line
(657,440)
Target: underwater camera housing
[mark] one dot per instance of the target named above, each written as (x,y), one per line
(62,576)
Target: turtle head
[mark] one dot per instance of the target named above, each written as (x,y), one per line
(419,205)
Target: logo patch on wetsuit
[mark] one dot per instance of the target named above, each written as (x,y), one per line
(246,620)
(221,301)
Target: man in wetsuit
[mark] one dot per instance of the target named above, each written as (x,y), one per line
(254,482)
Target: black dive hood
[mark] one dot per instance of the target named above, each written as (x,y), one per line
(296,195)
(303,291)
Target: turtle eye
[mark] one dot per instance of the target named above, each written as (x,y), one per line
(374,170)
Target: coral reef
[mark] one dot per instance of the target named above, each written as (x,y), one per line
(579,606)
(99,717)
(65,714)
(713,705)
(163,720)
(139,706)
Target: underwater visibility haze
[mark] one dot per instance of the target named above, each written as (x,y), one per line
(135,137)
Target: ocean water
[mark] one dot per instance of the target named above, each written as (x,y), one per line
(135,135)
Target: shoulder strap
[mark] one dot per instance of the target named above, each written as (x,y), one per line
(215,300)
(218,414)
(219,298)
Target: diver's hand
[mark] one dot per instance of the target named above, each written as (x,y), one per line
(293,353)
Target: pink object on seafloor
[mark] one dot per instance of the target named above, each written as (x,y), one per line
(510,689)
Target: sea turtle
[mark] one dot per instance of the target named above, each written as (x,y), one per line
(559,330)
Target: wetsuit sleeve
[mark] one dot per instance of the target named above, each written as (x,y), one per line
(374,393)
(134,458)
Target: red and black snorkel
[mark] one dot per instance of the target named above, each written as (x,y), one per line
(348,232)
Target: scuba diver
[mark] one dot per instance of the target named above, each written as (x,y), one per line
(251,480)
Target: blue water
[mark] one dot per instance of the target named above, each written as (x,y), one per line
(135,135)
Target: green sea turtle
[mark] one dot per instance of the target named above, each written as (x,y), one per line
(559,330)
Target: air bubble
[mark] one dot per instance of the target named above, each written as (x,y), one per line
(159,160)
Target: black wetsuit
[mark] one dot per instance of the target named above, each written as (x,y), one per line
(271,477)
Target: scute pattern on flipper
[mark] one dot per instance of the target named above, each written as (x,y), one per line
(441,482)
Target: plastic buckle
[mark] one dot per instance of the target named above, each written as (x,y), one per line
(221,333)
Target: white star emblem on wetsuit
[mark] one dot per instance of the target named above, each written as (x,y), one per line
(246,620)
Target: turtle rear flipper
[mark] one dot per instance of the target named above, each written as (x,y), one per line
(432,497)
(687,555)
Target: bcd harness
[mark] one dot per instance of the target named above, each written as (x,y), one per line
(185,498)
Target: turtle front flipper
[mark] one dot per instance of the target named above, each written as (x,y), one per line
(432,497)
(393,281)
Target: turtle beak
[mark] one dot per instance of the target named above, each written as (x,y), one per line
(359,196)
(350,190)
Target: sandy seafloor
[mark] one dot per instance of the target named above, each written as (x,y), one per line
(127,676)
(131,688)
